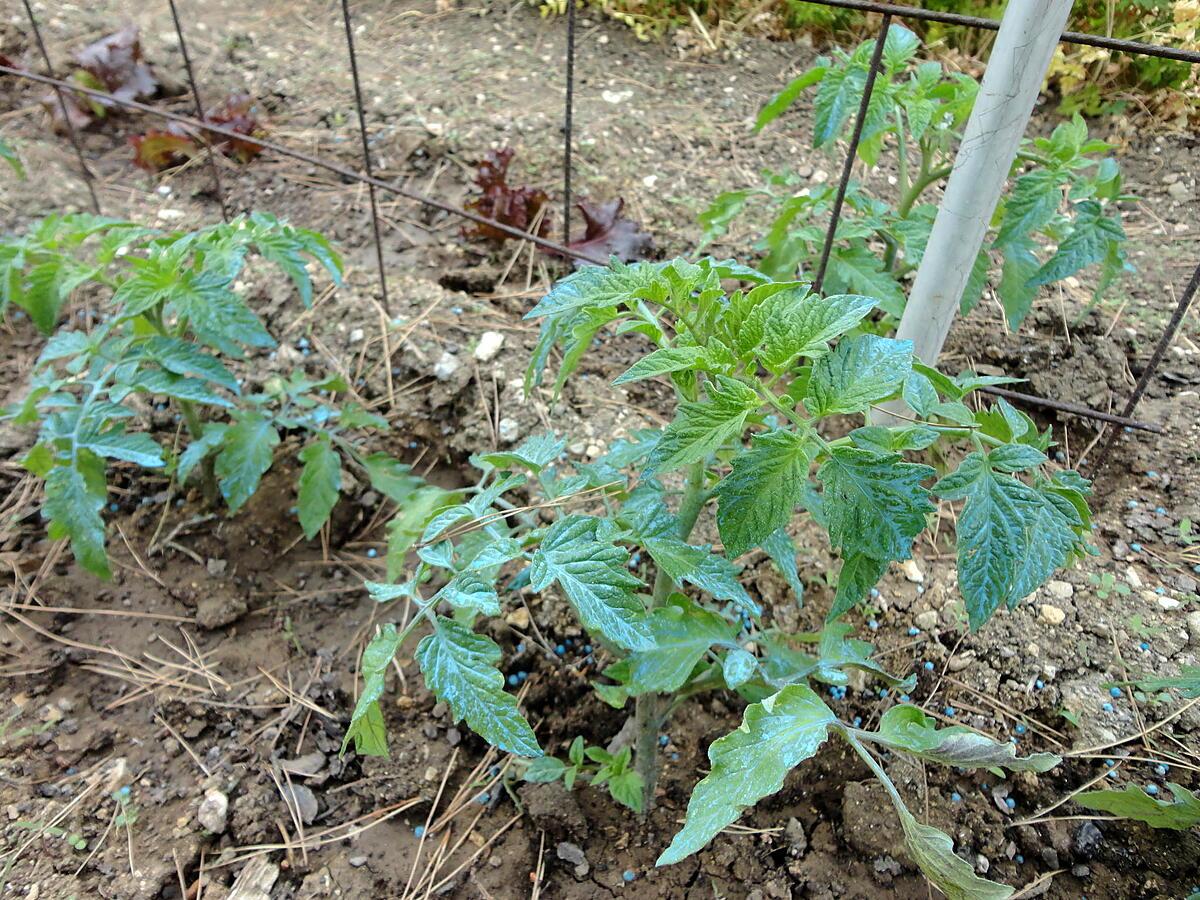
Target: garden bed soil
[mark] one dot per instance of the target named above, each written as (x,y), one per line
(219,661)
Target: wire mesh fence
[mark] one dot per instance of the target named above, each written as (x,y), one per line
(887,11)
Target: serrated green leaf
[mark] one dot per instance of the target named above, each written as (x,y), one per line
(217,316)
(65,344)
(44,294)
(199,448)
(763,489)
(319,486)
(723,209)
(681,633)
(659,532)
(1016,289)
(1030,205)
(1011,537)
(861,271)
(183,358)
(602,287)
(460,668)
(9,155)
(1178,814)
(367,728)
(874,502)
(160,381)
(246,453)
(1187,682)
(594,575)
(976,282)
(662,362)
(782,551)
(495,553)
(897,439)
(468,590)
(626,788)
(72,507)
(699,428)
(534,453)
(805,325)
(837,97)
(386,593)
(837,651)
(750,763)
(1016,458)
(908,728)
(115,443)
(544,769)
(1092,233)
(392,478)
(862,370)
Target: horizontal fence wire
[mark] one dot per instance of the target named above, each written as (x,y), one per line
(1068,37)
(309,159)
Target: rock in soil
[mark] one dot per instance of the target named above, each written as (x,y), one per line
(867,831)
(554,809)
(219,610)
(213,813)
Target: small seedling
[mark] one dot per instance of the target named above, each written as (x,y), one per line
(1106,584)
(597,767)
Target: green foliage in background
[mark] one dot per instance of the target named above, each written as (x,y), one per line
(1089,80)
(1060,216)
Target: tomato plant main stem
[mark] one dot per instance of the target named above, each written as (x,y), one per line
(651,710)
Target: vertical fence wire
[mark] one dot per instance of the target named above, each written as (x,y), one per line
(1151,367)
(191,77)
(568,116)
(855,137)
(366,152)
(88,177)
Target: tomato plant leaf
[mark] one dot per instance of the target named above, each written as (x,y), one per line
(874,502)
(319,485)
(908,728)
(862,370)
(72,507)
(1178,814)
(594,575)
(760,494)
(246,453)
(367,728)
(700,427)
(750,763)
(460,668)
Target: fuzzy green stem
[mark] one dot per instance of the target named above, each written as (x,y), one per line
(651,710)
(924,179)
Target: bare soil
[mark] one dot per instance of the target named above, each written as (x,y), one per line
(221,656)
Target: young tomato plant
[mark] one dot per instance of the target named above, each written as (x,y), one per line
(597,767)
(754,371)
(1060,216)
(170,318)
